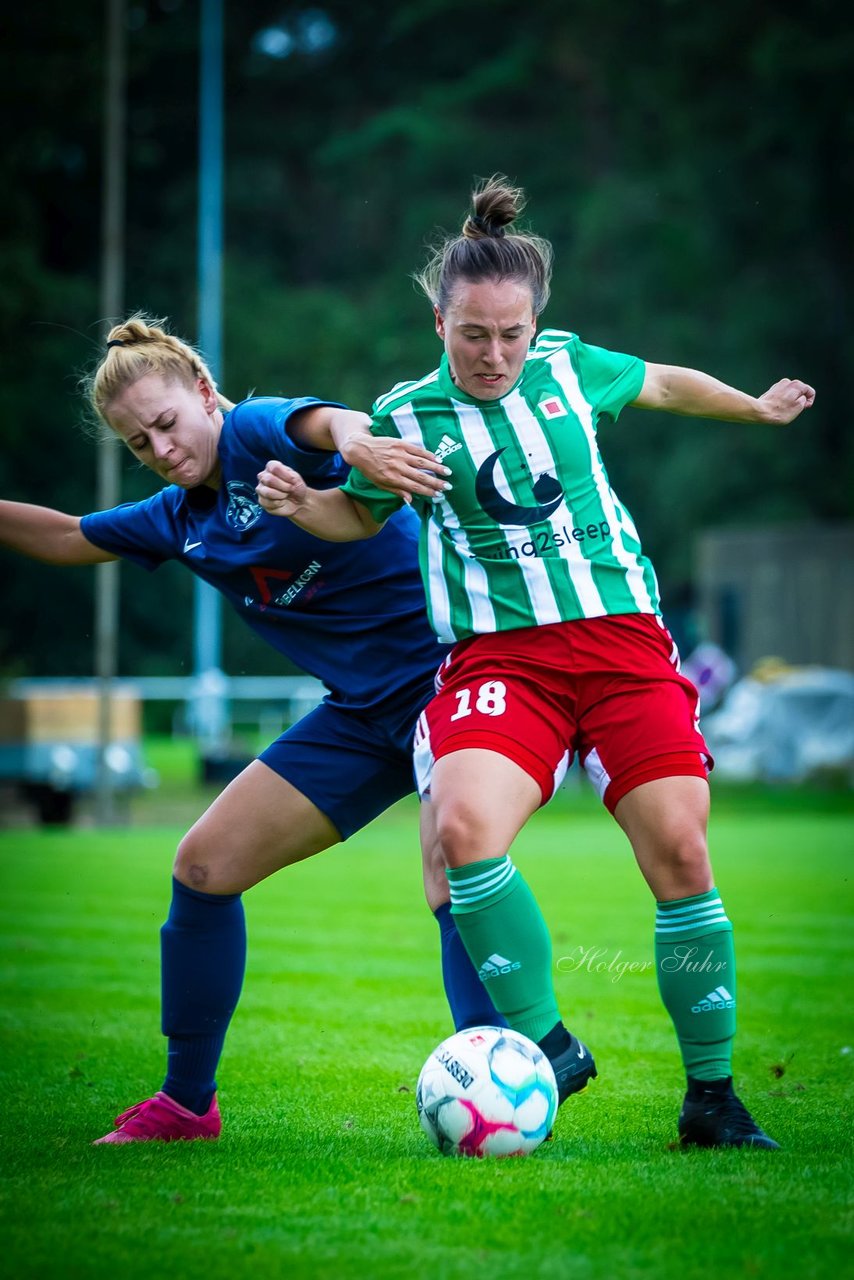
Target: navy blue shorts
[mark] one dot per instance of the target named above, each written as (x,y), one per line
(352,766)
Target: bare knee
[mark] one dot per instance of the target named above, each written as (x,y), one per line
(192,865)
(463,835)
(687,856)
(666,822)
(678,864)
(211,866)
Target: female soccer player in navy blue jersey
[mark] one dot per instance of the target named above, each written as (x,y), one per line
(352,615)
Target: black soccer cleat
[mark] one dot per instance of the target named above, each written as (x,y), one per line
(573,1067)
(712,1116)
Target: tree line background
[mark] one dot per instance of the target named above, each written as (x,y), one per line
(691,164)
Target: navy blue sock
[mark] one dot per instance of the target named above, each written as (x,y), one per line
(469,1000)
(203,958)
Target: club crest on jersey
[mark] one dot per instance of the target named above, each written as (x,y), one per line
(552,407)
(243,510)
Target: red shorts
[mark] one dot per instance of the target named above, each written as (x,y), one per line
(607,688)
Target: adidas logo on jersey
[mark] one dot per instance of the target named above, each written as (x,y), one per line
(720,998)
(496,966)
(446,447)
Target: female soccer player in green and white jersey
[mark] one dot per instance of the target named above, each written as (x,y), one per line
(534,571)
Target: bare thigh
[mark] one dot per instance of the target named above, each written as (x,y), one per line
(481,800)
(666,822)
(259,824)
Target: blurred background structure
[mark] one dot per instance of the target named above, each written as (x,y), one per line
(786,591)
(690,164)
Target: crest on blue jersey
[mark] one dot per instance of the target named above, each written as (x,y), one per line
(243,510)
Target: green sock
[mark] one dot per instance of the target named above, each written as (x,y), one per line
(503,931)
(695,962)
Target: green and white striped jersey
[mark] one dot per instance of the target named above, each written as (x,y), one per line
(531,532)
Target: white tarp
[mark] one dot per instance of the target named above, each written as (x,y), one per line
(786,729)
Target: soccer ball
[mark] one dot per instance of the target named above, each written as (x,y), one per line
(487,1091)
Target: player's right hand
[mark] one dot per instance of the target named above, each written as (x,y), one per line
(280,489)
(398,466)
(783,402)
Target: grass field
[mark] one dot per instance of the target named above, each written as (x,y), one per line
(322,1169)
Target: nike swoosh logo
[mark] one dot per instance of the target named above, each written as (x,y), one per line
(190,546)
(580,1051)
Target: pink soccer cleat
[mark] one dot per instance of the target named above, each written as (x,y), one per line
(161,1119)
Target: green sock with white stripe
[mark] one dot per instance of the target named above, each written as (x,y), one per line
(695,962)
(504,932)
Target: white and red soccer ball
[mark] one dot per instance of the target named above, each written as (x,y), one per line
(487,1091)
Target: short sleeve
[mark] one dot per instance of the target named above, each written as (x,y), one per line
(261,426)
(142,532)
(609,379)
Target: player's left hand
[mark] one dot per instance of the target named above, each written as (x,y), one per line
(280,489)
(396,465)
(784,401)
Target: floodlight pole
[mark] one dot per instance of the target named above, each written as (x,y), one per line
(112,301)
(209,712)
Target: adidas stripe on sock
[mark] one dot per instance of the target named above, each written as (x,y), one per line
(472,888)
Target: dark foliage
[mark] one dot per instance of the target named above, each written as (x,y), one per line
(690,163)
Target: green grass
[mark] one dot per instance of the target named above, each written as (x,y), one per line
(322,1168)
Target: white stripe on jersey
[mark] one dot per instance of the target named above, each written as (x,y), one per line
(475,579)
(563,371)
(437,586)
(629,525)
(480,445)
(627,522)
(404,389)
(406,422)
(547,341)
(533,440)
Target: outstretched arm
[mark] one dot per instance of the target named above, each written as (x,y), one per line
(396,465)
(698,395)
(45,534)
(327,513)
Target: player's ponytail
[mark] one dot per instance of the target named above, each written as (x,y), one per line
(487,249)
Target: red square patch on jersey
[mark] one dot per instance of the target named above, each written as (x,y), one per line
(552,408)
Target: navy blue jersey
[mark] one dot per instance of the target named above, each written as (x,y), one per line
(350,613)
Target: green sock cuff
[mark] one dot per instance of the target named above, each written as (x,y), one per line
(480,884)
(686,918)
(696,900)
(458,875)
